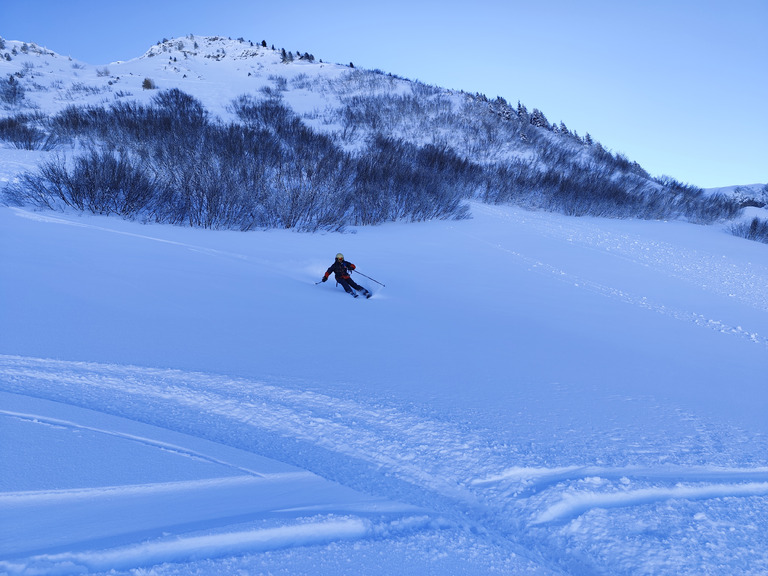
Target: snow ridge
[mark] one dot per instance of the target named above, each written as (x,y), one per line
(577,503)
(193,548)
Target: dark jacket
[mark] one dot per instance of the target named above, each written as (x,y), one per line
(341,270)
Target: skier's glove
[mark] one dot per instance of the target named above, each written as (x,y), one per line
(324,278)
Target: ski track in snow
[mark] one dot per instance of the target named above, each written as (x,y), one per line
(42,419)
(456,477)
(39,217)
(203,547)
(697,267)
(194,548)
(747,286)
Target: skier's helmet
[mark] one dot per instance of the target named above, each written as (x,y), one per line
(339,256)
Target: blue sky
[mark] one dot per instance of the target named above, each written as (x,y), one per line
(680,86)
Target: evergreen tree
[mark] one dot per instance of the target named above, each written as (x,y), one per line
(522,111)
(538,119)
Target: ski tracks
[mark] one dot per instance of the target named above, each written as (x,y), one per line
(452,476)
(746,282)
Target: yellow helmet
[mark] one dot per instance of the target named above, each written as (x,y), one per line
(339,256)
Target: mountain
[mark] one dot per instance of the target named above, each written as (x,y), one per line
(530,393)
(231,134)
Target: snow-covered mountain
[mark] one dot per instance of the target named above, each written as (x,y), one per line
(530,393)
(216,70)
(373,147)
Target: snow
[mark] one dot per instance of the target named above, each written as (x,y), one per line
(529,394)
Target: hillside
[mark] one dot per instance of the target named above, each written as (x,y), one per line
(230,134)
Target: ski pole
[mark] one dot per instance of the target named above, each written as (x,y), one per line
(369,278)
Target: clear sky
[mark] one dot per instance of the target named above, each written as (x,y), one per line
(680,86)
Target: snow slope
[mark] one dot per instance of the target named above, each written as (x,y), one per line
(215,70)
(530,394)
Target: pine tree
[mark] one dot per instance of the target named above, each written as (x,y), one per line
(538,119)
(522,111)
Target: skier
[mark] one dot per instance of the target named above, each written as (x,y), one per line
(341,268)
